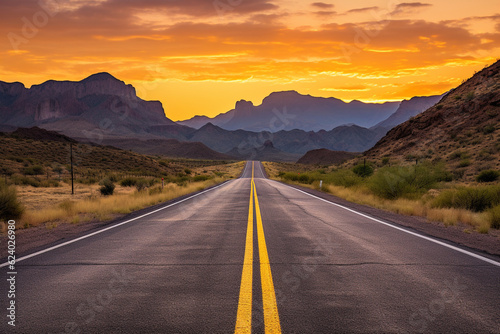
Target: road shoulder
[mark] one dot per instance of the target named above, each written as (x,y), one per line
(485,243)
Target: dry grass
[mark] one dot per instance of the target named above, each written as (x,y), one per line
(52,206)
(105,208)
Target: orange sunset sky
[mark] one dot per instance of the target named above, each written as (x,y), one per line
(198,57)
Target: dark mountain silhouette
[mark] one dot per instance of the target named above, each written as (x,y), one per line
(102,109)
(99,104)
(169,148)
(462,129)
(35,133)
(408,109)
(323,156)
(290,110)
(265,152)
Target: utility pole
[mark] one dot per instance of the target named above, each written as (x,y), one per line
(71,159)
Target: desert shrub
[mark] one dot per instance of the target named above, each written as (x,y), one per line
(199,178)
(494,217)
(290,176)
(141,184)
(363,170)
(464,163)
(304,178)
(107,187)
(25,181)
(490,128)
(385,161)
(128,182)
(113,177)
(469,96)
(187,171)
(34,170)
(476,199)
(10,207)
(343,178)
(488,176)
(49,183)
(409,181)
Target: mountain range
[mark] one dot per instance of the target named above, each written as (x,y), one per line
(105,110)
(290,110)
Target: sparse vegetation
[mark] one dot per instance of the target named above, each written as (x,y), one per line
(494,217)
(488,176)
(476,199)
(107,187)
(363,170)
(107,207)
(10,207)
(421,190)
(53,207)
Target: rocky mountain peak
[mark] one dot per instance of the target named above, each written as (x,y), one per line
(243,105)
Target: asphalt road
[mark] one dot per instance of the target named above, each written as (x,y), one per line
(180,269)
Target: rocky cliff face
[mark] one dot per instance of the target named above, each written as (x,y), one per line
(97,101)
(461,130)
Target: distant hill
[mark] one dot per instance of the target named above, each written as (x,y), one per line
(344,138)
(169,148)
(462,129)
(265,152)
(31,147)
(325,157)
(36,133)
(408,109)
(290,110)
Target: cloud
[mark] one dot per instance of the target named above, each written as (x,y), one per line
(407,8)
(325,13)
(322,5)
(361,10)
(196,8)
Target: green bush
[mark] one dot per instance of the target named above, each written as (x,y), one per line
(343,178)
(107,187)
(476,199)
(488,176)
(464,163)
(187,171)
(25,181)
(199,178)
(128,182)
(410,181)
(494,217)
(10,207)
(363,170)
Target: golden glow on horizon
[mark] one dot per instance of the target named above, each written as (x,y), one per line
(200,60)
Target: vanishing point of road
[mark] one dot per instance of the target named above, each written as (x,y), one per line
(254,256)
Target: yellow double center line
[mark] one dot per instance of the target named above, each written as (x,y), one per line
(244,315)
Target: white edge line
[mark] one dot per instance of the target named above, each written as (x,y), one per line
(109,228)
(482,258)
